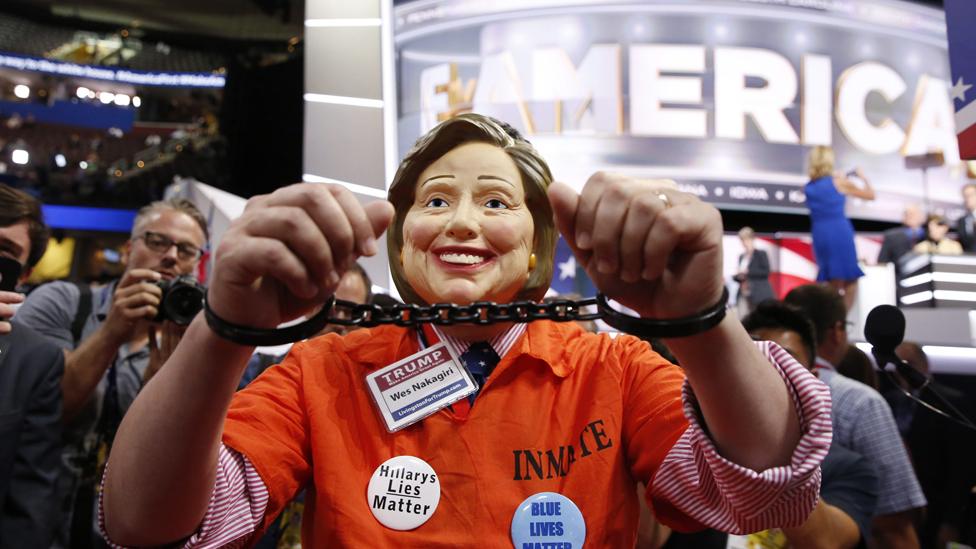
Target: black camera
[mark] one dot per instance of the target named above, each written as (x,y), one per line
(182,299)
(9,273)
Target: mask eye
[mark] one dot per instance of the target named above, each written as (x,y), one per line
(437,203)
(495,204)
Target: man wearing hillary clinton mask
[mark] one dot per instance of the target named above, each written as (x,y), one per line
(488,433)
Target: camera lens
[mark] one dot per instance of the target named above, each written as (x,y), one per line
(181,301)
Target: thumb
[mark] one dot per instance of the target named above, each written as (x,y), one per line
(380,213)
(564,202)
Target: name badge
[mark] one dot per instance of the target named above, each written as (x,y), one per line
(411,389)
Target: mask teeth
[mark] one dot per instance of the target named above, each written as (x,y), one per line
(466,259)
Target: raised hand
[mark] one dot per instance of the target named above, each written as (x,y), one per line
(284,256)
(643,243)
(7,302)
(136,299)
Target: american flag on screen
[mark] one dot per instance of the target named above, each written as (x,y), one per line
(960,22)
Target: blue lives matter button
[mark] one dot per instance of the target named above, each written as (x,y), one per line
(548,520)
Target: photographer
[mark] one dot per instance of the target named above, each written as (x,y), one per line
(112,344)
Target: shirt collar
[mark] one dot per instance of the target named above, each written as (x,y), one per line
(822,364)
(550,343)
(545,341)
(126,353)
(501,343)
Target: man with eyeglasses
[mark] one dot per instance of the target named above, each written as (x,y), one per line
(863,421)
(112,346)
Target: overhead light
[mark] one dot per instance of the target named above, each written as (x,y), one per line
(82,92)
(136,101)
(955,295)
(60,161)
(20,156)
(122,100)
(345,22)
(344,100)
(356,188)
(925,278)
(83,165)
(917,297)
(106,97)
(22,91)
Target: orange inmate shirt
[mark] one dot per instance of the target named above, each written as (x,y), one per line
(565,411)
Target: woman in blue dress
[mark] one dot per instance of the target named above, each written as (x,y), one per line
(833,234)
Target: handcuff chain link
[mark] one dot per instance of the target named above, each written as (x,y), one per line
(347,313)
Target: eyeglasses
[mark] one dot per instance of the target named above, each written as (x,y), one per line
(161,244)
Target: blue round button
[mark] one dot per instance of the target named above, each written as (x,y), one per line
(546,519)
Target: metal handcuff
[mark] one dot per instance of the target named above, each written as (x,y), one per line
(479,313)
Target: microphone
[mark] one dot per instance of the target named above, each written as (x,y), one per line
(885,330)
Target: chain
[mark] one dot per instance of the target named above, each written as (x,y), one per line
(347,313)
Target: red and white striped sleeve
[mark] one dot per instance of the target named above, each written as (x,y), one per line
(725,496)
(236,509)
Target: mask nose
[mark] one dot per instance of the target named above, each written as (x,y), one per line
(463,225)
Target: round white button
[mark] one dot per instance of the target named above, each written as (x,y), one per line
(403,493)
(548,519)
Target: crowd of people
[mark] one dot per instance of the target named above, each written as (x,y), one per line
(768,431)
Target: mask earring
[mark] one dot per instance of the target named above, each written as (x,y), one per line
(531,262)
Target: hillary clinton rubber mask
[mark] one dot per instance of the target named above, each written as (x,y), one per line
(470,211)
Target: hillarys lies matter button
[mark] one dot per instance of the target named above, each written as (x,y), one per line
(548,520)
(403,492)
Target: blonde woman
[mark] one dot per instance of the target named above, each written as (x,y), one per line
(833,234)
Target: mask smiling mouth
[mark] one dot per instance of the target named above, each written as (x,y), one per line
(463,257)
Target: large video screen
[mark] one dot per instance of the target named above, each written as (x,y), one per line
(725,96)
